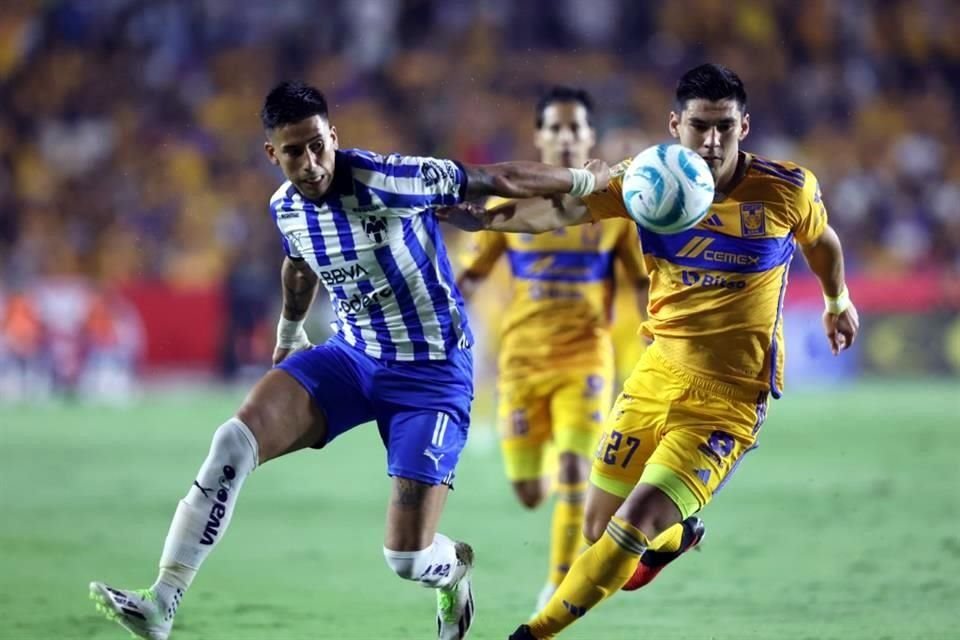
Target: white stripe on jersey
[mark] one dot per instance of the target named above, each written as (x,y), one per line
(379,256)
(457,311)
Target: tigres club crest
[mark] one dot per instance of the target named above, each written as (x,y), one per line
(753,222)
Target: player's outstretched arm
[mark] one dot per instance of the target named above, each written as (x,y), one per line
(533,215)
(533,179)
(840,319)
(559,206)
(299,290)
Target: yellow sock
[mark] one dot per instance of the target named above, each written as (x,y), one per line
(668,540)
(566,537)
(599,572)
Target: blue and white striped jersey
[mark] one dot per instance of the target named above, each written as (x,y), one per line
(375,243)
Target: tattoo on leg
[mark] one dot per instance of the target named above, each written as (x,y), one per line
(409,494)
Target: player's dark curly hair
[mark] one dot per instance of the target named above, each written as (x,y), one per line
(710,82)
(290,102)
(564,94)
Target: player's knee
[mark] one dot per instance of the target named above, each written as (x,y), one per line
(573,468)
(531,493)
(650,510)
(234,443)
(255,416)
(409,565)
(593,529)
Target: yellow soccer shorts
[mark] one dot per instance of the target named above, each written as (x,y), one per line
(544,413)
(682,433)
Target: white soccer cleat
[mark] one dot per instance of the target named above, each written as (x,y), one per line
(455,603)
(136,611)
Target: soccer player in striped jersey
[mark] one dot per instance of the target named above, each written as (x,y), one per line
(556,366)
(362,225)
(696,401)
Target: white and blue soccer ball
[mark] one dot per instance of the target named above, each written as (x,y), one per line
(668,188)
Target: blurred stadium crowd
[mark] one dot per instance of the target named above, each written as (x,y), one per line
(130,148)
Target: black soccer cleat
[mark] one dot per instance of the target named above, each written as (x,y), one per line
(522,633)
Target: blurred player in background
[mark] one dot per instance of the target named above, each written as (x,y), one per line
(363,225)
(694,405)
(556,361)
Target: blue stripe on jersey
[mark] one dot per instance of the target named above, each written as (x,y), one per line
(438,295)
(707,249)
(405,302)
(363,194)
(285,204)
(344,232)
(446,271)
(316,234)
(796,177)
(283,238)
(391,169)
(774,390)
(378,322)
(797,173)
(560,266)
(351,319)
(413,201)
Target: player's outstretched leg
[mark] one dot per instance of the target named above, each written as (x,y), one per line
(607,565)
(664,549)
(653,560)
(277,417)
(415,552)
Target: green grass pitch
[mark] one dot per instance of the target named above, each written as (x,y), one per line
(843,524)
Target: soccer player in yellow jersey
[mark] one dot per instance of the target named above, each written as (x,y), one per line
(556,367)
(696,400)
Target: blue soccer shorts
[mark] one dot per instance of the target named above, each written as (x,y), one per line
(422,409)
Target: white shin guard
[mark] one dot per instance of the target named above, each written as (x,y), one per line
(434,567)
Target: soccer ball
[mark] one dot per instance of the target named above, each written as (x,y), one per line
(667,188)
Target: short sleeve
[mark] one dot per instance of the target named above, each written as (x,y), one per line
(410,182)
(809,214)
(277,209)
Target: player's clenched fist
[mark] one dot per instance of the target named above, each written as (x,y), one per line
(841,329)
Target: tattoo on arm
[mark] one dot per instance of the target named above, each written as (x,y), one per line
(408,495)
(299,288)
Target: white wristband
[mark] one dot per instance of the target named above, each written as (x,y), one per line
(290,334)
(839,304)
(584,182)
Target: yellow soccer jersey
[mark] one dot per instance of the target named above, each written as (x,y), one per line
(563,284)
(716,291)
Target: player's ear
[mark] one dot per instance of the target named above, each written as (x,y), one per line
(334,140)
(744,126)
(674,124)
(271,153)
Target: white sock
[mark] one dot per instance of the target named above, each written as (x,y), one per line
(203,515)
(435,567)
